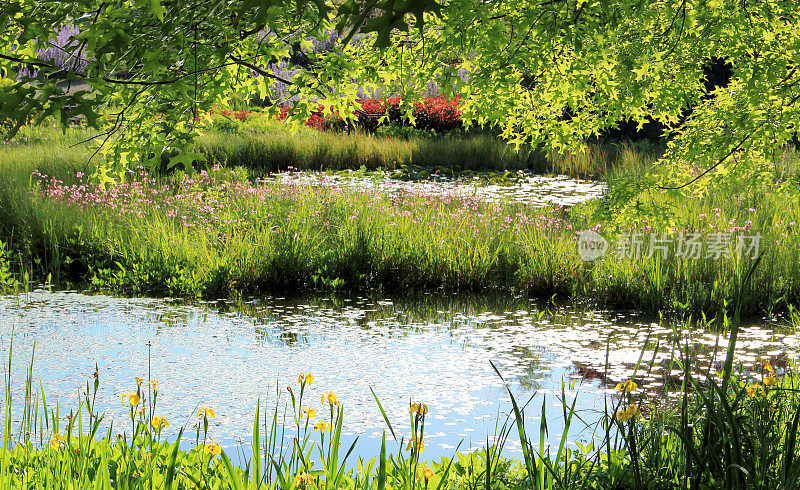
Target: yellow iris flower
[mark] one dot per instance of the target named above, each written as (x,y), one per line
(310,412)
(56,440)
(631,412)
(627,386)
(419,408)
(139,381)
(205,411)
(424,471)
(159,423)
(306,378)
(770,380)
(417,443)
(213,449)
(322,426)
(754,389)
(331,397)
(133,398)
(304,479)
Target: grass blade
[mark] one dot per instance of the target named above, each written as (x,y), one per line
(383,412)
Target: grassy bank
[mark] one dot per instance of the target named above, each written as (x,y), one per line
(268,146)
(224,233)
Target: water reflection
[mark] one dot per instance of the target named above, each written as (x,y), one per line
(525,187)
(434,349)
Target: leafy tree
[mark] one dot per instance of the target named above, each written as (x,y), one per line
(544,71)
(154,66)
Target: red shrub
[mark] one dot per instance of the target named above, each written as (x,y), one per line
(437,113)
(433,113)
(370,112)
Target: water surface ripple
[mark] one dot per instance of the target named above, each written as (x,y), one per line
(435,351)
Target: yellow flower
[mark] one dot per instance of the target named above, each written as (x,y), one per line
(304,479)
(159,423)
(419,408)
(56,440)
(154,384)
(322,426)
(627,386)
(206,412)
(213,449)
(769,380)
(424,471)
(139,381)
(766,365)
(140,412)
(310,412)
(754,389)
(306,378)
(417,443)
(133,398)
(331,397)
(631,412)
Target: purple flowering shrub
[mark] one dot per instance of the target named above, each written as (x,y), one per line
(63,51)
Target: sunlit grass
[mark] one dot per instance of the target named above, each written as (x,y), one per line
(223,234)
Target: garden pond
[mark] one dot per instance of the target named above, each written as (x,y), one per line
(521,187)
(434,349)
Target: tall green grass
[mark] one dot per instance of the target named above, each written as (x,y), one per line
(263,145)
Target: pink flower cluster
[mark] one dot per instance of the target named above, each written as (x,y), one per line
(215,203)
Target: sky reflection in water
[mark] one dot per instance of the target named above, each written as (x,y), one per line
(435,350)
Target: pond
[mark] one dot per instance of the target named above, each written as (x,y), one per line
(521,187)
(433,349)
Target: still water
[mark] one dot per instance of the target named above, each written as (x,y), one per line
(433,349)
(525,188)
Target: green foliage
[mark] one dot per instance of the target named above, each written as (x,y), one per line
(8,281)
(555,73)
(156,66)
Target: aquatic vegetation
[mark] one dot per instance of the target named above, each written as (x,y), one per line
(8,281)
